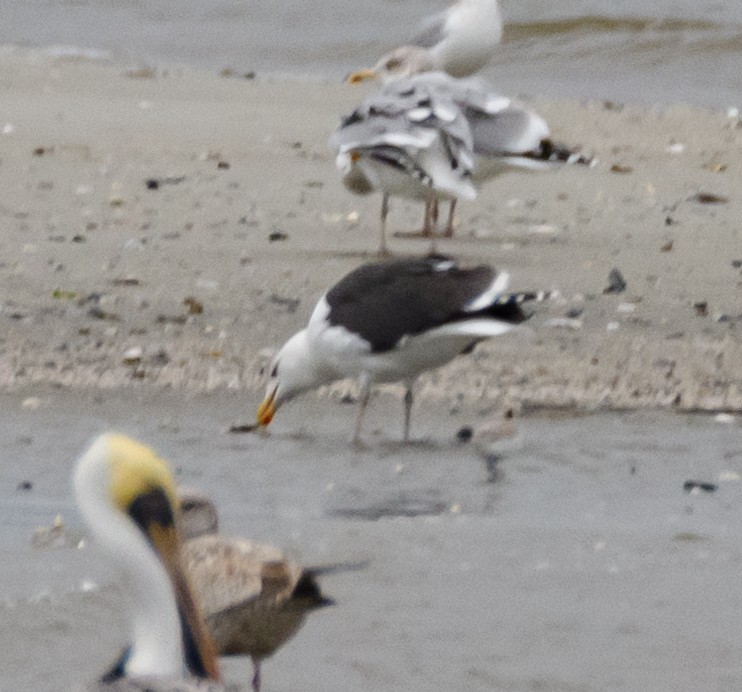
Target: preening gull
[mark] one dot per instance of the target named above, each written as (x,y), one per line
(406,140)
(126,495)
(253,598)
(431,136)
(390,321)
(460,41)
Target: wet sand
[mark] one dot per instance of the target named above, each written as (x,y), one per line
(583,566)
(581,563)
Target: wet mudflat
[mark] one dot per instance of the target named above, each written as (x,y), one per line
(580,561)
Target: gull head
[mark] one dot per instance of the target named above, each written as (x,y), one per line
(291,372)
(398,63)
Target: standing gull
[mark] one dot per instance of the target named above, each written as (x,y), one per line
(406,140)
(253,598)
(388,142)
(461,40)
(126,496)
(390,321)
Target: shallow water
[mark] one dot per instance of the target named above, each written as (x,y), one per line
(651,51)
(580,564)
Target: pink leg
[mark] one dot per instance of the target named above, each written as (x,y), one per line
(449,226)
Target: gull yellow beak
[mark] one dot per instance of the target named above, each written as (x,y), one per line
(267,408)
(361,76)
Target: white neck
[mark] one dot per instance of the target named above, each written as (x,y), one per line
(156,645)
(298,369)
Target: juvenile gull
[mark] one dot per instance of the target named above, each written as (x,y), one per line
(459,40)
(254,599)
(390,321)
(431,136)
(126,496)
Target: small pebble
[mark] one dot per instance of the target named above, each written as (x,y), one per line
(728,476)
(465,433)
(690,486)
(616,282)
(708,198)
(195,307)
(563,323)
(675,148)
(132,356)
(242,428)
(31,403)
(625,307)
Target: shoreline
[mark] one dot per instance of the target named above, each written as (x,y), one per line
(98,265)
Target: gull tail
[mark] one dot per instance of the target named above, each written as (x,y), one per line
(554,152)
(508,306)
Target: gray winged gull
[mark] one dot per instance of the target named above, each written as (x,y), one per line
(253,598)
(460,40)
(417,136)
(390,321)
(126,496)
(406,140)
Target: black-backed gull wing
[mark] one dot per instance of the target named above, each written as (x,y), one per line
(388,301)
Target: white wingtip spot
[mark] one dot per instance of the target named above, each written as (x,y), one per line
(486,299)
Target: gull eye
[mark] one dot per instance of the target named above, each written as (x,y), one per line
(393,64)
(274,371)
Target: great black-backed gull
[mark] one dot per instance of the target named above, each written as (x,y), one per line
(431,137)
(459,40)
(390,321)
(126,495)
(254,599)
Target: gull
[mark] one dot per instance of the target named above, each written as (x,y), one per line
(254,599)
(126,496)
(493,134)
(461,40)
(406,140)
(506,135)
(390,321)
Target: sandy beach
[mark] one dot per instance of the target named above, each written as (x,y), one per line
(170,229)
(164,231)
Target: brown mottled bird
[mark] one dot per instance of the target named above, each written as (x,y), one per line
(253,598)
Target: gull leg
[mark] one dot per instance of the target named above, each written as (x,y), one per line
(363,397)
(430,222)
(448,233)
(408,399)
(431,226)
(256,675)
(383,250)
(425,230)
